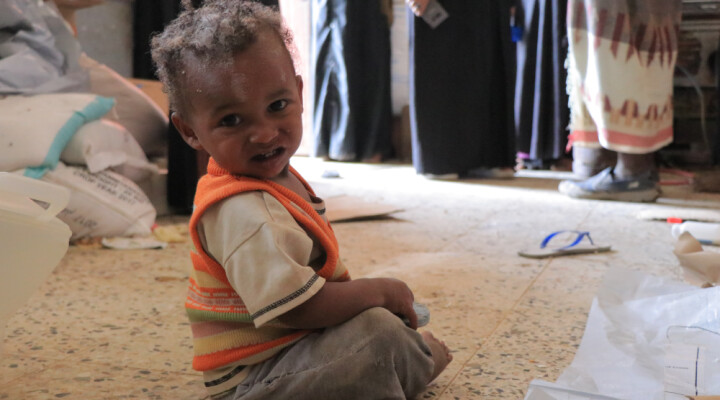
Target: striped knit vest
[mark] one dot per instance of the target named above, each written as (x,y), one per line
(223,330)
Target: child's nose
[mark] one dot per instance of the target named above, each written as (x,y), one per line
(263,133)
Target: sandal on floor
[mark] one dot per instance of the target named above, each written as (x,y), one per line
(605,186)
(575,247)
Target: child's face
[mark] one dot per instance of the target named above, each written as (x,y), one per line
(247,114)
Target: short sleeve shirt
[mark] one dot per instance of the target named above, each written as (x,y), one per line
(266,254)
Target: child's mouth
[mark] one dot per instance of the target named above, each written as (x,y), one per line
(269,155)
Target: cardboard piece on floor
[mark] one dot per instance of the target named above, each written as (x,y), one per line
(347,208)
(700,267)
(686,214)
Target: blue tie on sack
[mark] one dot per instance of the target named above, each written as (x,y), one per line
(93,111)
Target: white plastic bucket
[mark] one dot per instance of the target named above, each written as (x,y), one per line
(32,239)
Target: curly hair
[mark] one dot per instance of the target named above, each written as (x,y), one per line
(212,33)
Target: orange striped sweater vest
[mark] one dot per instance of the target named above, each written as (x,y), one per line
(223,330)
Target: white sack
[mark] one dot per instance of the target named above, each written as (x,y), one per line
(135,110)
(104,144)
(34,130)
(105,204)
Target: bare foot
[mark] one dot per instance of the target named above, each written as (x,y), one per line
(440,353)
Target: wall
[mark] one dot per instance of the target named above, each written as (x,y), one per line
(400,57)
(105,33)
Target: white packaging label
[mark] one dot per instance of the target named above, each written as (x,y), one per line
(435,14)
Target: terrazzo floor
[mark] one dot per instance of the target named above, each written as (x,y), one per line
(110,324)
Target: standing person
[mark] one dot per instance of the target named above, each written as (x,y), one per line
(273,310)
(461,90)
(621,62)
(352,106)
(541,102)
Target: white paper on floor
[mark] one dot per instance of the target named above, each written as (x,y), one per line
(646,338)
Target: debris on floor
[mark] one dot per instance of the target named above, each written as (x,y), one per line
(684,213)
(348,208)
(175,233)
(700,267)
(646,338)
(133,243)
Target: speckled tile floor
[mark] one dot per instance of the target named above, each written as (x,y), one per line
(110,324)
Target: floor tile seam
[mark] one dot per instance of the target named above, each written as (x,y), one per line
(441,389)
(124,367)
(49,358)
(505,316)
(30,353)
(13,382)
(17,382)
(34,371)
(501,320)
(591,209)
(510,311)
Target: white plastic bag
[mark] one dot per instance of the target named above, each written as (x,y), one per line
(39,53)
(632,338)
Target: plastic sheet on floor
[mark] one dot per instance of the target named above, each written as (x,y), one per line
(646,338)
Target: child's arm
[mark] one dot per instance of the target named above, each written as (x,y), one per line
(338,302)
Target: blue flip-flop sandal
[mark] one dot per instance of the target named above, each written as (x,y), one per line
(577,246)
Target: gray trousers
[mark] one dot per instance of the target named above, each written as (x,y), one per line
(370,357)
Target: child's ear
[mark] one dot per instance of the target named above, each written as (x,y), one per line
(186,131)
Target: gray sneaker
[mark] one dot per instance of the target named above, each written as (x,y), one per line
(605,186)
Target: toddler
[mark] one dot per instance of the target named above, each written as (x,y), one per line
(273,310)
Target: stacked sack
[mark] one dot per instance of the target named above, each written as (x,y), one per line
(69,120)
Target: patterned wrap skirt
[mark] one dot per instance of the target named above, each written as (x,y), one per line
(621,59)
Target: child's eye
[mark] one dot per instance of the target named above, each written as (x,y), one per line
(278,105)
(230,120)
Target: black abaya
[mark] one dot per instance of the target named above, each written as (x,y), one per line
(352,104)
(461,89)
(541,102)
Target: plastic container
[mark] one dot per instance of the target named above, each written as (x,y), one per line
(32,239)
(704,232)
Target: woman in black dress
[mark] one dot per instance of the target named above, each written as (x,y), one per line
(461,90)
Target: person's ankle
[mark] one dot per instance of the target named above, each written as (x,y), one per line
(621,173)
(635,166)
(588,162)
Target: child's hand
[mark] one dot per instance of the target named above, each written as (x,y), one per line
(337,302)
(398,299)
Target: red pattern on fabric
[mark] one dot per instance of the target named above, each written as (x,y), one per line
(622,138)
